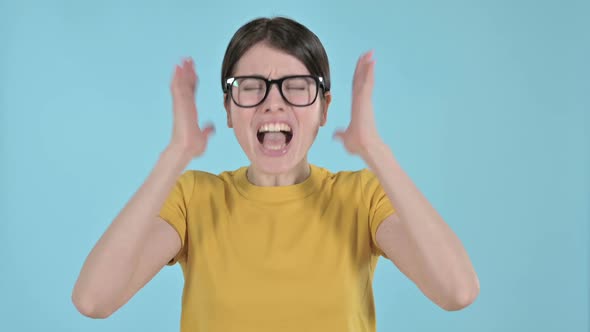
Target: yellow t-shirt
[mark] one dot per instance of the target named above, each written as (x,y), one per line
(268,259)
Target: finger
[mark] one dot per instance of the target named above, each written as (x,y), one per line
(186,65)
(367,61)
(191,64)
(209,130)
(208,126)
(359,64)
(360,72)
(194,72)
(371,73)
(357,74)
(176,72)
(187,73)
(338,135)
(367,77)
(366,58)
(175,77)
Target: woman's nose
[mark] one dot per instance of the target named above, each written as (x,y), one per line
(274,101)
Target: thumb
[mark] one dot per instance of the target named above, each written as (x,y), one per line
(339,135)
(209,130)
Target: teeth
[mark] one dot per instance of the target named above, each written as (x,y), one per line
(276,147)
(274,127)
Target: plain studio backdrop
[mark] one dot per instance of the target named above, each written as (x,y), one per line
(485,104)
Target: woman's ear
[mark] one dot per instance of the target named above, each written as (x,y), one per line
(226,105)
(325,105)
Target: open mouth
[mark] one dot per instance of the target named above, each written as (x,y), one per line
(274,136)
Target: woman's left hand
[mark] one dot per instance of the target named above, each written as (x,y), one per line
(361,133)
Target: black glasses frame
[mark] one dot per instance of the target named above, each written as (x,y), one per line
(320,83)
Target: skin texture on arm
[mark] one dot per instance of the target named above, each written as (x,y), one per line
(416,239)
(125,257)
(161,244)
(138,243)
(422,246)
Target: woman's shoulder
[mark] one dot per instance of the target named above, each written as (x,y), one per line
(203,178)
(354,175)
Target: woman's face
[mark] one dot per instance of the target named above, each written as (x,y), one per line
(275,135)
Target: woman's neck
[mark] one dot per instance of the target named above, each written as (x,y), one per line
(296,175)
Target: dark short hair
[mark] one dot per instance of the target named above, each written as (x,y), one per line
(284,34)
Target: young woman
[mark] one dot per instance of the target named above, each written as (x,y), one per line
(282,244)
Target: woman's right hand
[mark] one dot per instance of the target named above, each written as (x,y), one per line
(187,135)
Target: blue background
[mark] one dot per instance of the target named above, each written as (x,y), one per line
(485,103)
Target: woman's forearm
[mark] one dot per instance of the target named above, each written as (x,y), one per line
(112,262)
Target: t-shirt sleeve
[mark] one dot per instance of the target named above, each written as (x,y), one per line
(175,209)
(378,204)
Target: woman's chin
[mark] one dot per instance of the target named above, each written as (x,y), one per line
(275,162)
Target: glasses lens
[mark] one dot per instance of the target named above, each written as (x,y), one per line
(248,91)
(300,91)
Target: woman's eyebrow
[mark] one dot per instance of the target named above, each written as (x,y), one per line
(268,76)
(249,75)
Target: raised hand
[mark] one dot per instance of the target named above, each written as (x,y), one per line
(361,134)
(187,135)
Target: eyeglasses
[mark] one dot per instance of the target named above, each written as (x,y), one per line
(297,90)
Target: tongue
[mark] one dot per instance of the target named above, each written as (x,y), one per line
(274,139)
